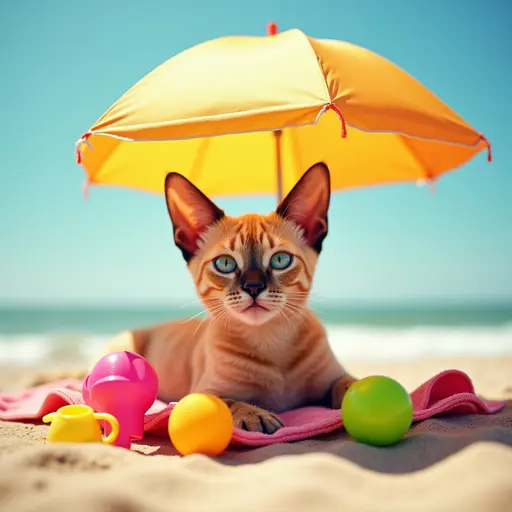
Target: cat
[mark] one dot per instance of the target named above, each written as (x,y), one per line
(260,349)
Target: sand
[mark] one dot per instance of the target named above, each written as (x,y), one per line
(449,463)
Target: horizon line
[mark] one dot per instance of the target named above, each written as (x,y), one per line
(370,303)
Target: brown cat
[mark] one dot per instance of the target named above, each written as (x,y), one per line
(260,349)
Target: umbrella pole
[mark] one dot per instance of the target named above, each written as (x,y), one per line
(279,169)
(272,31)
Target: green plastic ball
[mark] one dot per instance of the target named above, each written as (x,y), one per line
(377,410)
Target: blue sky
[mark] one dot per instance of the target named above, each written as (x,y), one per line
(64,63)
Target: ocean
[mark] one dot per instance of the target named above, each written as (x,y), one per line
(397,332)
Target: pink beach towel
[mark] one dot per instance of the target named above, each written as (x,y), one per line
(450,391)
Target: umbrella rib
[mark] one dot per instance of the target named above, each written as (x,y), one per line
(428,173)
(320,67)
(199,159)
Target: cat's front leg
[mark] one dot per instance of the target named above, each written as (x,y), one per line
(253,419)
(338,390)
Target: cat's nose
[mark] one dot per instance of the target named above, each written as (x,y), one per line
(253,288)
(253,281)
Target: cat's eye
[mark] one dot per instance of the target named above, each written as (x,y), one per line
(281,260)
(225,264)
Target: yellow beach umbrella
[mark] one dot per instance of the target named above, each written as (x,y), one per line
(248,115)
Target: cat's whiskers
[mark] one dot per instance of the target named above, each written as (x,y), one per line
(228,320)
(296,304)
(206,310)
(280,318)
(190,303)
(193,316)
(214,311)
(299,307)
(300,296)
(286,318)
(199,325)
(198,301)
(218,318)
(296,313)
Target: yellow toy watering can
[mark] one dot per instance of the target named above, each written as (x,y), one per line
(79,424)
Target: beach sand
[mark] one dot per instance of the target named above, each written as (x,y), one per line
(449,463)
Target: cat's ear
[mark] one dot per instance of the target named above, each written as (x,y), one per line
(307,203)
(191,212)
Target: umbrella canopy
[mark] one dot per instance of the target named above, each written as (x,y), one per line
(240,115)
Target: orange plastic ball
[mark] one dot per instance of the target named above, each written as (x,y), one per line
(200,423)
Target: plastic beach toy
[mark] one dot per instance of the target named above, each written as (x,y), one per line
(125,385)
(79,424)
(201,423)
(377,410)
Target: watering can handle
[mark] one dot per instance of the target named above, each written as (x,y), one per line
(48,418)
(113,423)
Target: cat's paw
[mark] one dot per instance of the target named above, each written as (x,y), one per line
(253,419)
(338,390)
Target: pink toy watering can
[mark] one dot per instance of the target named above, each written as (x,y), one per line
(125,385)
